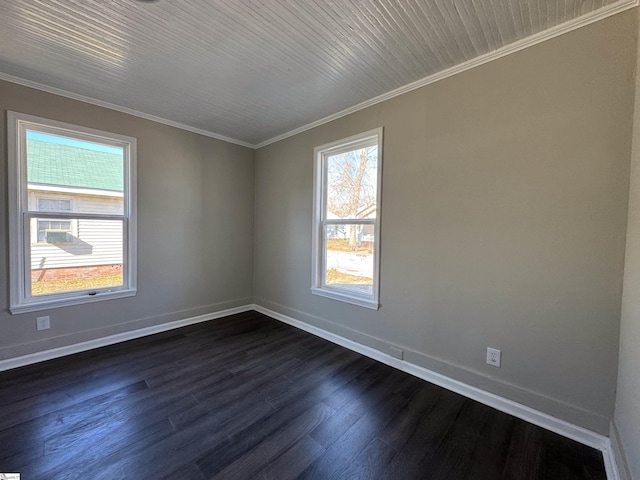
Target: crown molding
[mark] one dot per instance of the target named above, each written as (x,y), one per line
(112,106)
(540,37)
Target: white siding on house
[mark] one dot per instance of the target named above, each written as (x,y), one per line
(104,204)
(95,204)
(95,242)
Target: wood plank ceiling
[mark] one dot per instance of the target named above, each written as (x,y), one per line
(254,69)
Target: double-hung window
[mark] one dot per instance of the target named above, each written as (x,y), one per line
(72,214)
(346,225)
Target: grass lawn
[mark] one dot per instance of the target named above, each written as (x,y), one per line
(338,245)
(334,277)
(68,285)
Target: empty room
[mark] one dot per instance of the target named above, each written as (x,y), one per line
(386,239)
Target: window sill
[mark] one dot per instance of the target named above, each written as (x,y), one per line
(46,304)
(345,297)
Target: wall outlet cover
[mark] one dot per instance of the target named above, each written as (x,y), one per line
(494,357)
(43,323)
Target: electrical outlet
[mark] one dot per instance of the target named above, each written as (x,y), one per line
(494,357)
(43,323)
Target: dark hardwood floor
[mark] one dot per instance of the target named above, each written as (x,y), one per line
(249,397)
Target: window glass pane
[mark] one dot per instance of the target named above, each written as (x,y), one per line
(69,175)
(350,257)
(54,231)
(53,205)
(352,183)
(92,258)
(72,233)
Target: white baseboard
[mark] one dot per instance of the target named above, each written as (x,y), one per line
(610,464)
(541,419)
(618,457)
(112,339)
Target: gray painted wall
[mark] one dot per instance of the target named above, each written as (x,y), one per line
(504,209)
(195,228)
(626,429)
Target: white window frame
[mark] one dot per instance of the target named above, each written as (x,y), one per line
(318,267)
(20,215)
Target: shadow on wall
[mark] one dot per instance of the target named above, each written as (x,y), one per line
(75,247)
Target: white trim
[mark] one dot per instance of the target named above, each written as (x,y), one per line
(117,338)
(319,222)
(541,419)
(21,299)
(79,298)
(16,247)
(610,464)
(616,457)
(343,296)
(112,106)
(522,44)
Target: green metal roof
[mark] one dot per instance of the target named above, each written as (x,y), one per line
(64,165)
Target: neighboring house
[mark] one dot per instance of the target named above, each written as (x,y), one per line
(366,237)
(364,233)
(62,178)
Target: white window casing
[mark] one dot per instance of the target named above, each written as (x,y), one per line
(24,213)
(367,220)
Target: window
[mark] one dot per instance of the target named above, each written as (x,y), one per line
(72,219)
(53,205)
(51,230)
(346,226)
(54,231)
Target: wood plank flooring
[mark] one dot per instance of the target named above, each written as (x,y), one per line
(248,397)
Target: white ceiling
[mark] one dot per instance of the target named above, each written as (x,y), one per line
(253,70)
